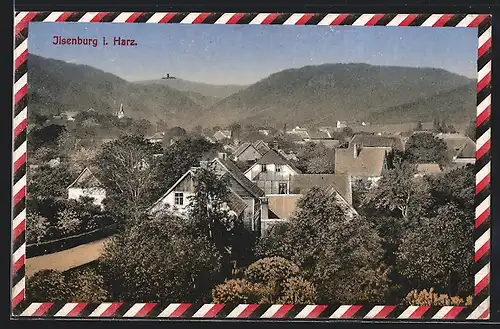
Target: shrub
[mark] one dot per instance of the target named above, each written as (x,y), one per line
(68,222)
(297,291)
(87,286)
(431,298)
(271,269)
(47,285)
(37,228)
(236,291)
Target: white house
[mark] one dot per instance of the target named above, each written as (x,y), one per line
(87,185)
(246,200)
(272,173)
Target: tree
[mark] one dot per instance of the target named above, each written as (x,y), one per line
(127,169)
(439,251)
(347,131)
(179,158)
(237,291)
(37,227)
(396,159)
(471,130)
(425,148)
(399,194)
(340,253)
(68,222)
(208,209)
(419,126)
(87,286)
(297,290)
(46,181)
(45,136)
(160,259)
(47,285)
(316,158)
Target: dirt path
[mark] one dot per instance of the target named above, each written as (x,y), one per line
(66,259)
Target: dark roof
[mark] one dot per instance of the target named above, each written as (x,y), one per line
(240,149)
(302,183)
(459,146)
(86,179)
(368,163)
(233,170)
(395,142)
(235,203)
(272,157)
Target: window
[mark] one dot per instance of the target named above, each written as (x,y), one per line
(278,168)
(263,168)
(282,187)
(179,198)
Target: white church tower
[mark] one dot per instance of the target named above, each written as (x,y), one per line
(120,114)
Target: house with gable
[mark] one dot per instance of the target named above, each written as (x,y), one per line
(272,172)
(246,152)
(461,149)
(395,142)
(261,146)
(362,163)
(221,135)
(337,186)
(247,201)
(87,185)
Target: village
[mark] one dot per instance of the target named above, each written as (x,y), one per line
(268,175)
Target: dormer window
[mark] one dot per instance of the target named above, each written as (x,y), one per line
(263,168)
(278,168)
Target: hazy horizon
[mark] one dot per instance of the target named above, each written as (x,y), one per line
(244,54)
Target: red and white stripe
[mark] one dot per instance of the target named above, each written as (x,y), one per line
(174,310)
(448,312)
(18,258)
(19,224)
(71,309)
(139,310)
(263,18)
(332,19)
(484,76)
(208,311)
(57,16)
(18,292)
(483,110)
(229,18)
(277,311)
(345,311)
(482,211)
(414,312)
(105,310)
(467,20)
(367,19)
(21,85)
(482,311)
(20,54)
(311,311)
(482,245)
(436,20)
(483,143)
(483,177)
(484,42)
(36,309)
(482,279)
(379,312)
(242,311)
(298,19)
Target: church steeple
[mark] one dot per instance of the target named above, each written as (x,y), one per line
(120,114)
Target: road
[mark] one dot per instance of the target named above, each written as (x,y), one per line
(66,259)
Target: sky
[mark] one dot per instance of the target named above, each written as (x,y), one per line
(244,54)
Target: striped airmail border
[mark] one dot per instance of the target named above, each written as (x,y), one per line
(482,233)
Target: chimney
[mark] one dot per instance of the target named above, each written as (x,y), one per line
(222,155)
(275,146)
(204,164)
(355,149)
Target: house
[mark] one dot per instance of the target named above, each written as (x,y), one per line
(229,148)
(87,185)
(367,163)
(282,207)
(247,201)
(298,131)
(261,146)
(370,140)
(264,132)
(461,149)
(120,114)
(341,124)
(157,137)
(323,136)
(221,135)
(246,152)
(272,173)
(69,115)
(54,162)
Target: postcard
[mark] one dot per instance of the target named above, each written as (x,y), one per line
(227,166)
